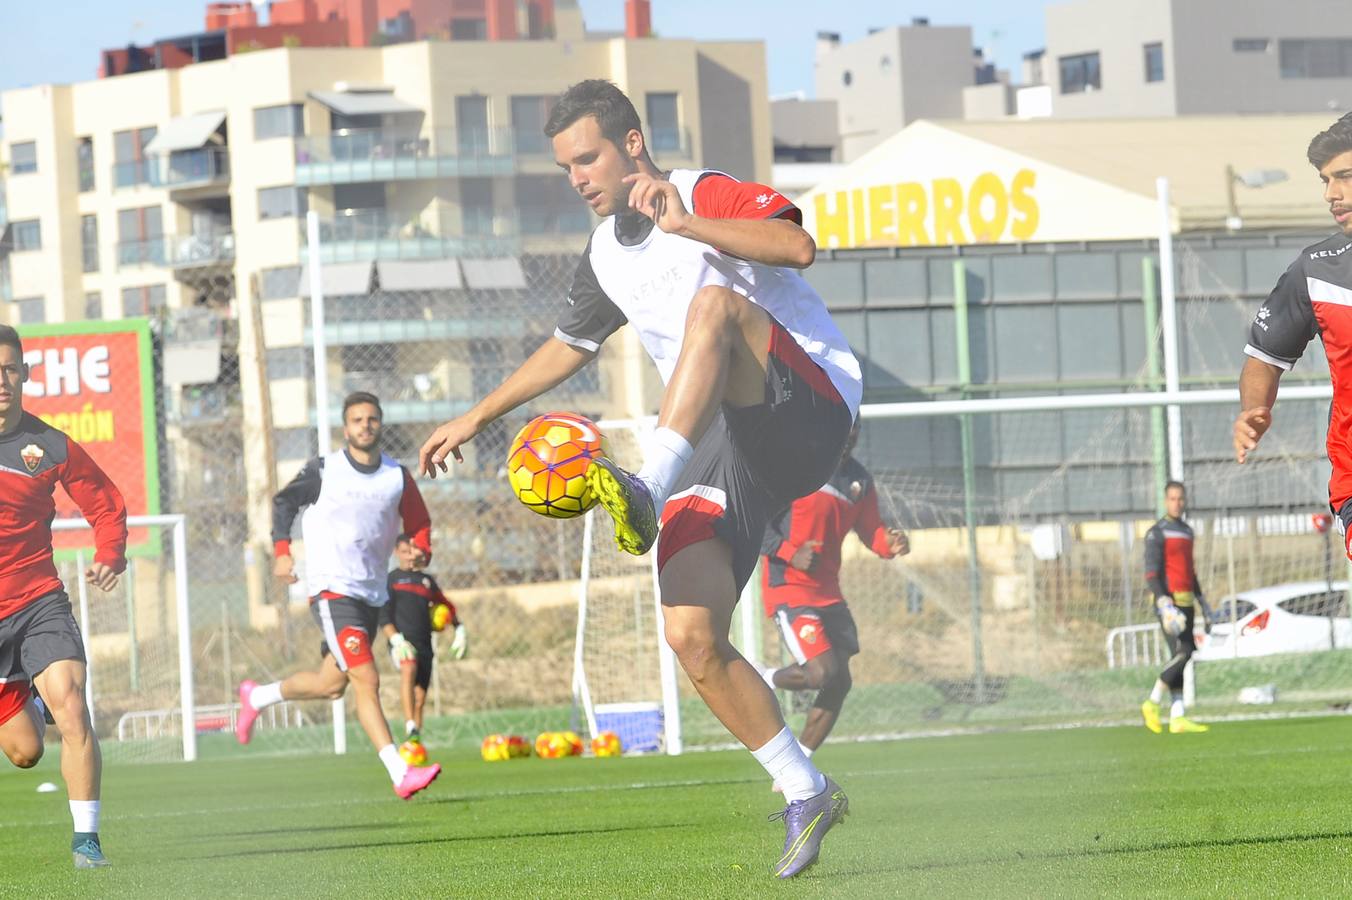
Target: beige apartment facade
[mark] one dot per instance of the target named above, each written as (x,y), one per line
(448,236)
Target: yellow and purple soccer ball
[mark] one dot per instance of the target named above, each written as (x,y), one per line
(607,743)
(548,462)
(413,753)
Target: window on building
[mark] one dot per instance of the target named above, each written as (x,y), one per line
(1316,58)
(23,157)
(27,235)
(476,205)
(89,243)
(279,283)
(144,300)
(664,126)
(529,115)
(546,204)
(1154,62)
(282,202)
(1080,73)
(140,236)
(469,29)
(287,120)
(288,362)
(1251,45)
(32,310)
(471,125)
(130,166)
(94,305)
(84,163)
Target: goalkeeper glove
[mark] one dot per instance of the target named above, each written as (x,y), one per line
(401,649)
(460,643)
(1171,618)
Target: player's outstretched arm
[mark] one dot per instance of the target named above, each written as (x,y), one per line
(1257,393)
(546,368)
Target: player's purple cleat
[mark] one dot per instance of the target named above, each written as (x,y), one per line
(247,714)
(417,778)
(629,503)
(806,823)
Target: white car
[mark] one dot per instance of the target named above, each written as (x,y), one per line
(1297,617)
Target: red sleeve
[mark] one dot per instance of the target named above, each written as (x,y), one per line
(102,505)
(417,523)
(869,526)
(722,197)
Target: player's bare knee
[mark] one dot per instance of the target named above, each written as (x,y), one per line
(25,757)
(821,671)
(712,307)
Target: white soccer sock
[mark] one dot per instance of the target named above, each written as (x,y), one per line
(394,763)
(1157,693)
(769,676)
(783,758)
(85,815)
(665,457)
(265,695)
(1176,709)
(410,726)
(807,751)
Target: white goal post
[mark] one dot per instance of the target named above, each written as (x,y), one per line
(178,528)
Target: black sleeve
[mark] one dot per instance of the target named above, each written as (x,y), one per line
(387,610)
(302,491)
(776,533)
(1285,323)
(1154,562)
(590,316)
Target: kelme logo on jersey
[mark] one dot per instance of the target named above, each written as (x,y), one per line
(1261,318)
(31,456)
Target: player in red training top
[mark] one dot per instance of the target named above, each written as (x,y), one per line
(416,608)
(38,635)
(801,587)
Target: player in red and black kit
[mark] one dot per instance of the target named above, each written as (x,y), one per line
(801,587)
(1172,578)
(416,608)
(1313,297)
(39,639)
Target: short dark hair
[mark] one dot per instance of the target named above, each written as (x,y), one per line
(356,398)
(1174,484)
(1331,142)
(10,337)
(404,538)
(602,99)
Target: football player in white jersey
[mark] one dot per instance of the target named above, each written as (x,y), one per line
(358,503)
(762,390)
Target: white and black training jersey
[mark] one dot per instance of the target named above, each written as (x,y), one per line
(634,272)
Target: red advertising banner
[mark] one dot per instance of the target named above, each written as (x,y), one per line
(95,382)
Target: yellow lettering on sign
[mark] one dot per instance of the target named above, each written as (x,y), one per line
(833,224)
(1025,204)
(987,229)
(912,209)
(948,212)
(882,215)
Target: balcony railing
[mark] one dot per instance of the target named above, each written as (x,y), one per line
(180,170)
(379,154)
(357,235)
(177,251)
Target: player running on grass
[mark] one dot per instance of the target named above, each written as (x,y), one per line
(801,587)
(761,392)
(1313,297)
(1172,577)
(38,635)
(357,499)
(415,604)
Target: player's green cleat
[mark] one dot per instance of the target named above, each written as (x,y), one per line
(1150,711)
(88,854)
(628,502)
(1184,725)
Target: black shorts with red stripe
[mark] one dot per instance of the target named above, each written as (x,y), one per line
(754,461)
(810,631)
(348,624)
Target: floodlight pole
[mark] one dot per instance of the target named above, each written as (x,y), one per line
(1169,323)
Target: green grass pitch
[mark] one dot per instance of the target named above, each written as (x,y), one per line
(1251,809)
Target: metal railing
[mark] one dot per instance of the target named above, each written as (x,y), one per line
(380,154)
(356,235)
(178,170)
(177,251)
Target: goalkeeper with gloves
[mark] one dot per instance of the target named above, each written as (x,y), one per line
(416,608)
(1172,577)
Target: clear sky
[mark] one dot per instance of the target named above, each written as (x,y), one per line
(59,40)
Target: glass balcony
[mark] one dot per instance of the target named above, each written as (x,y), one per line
(178,252)
(377,154)
(180,170)
(356,235)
